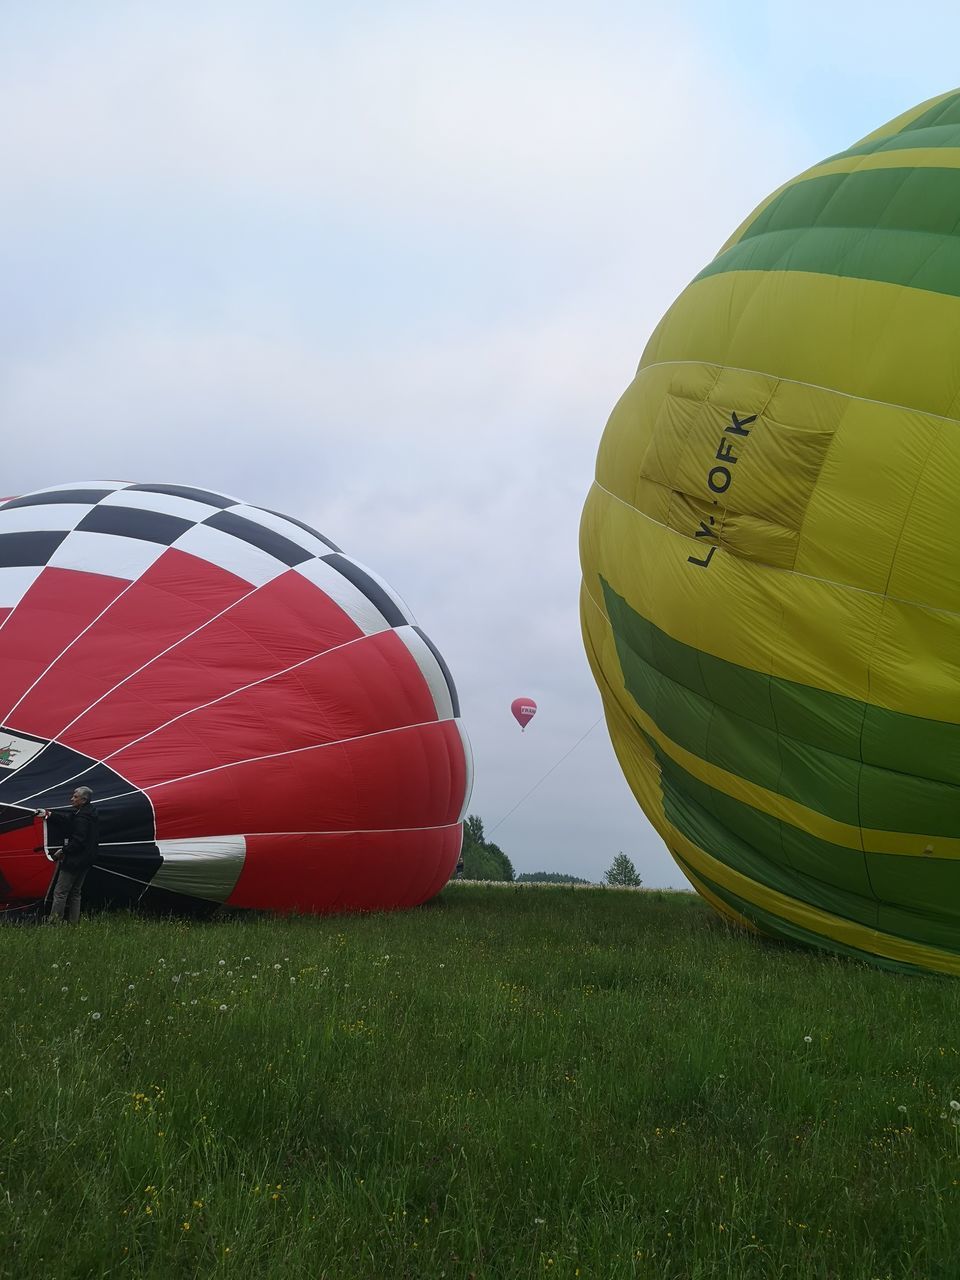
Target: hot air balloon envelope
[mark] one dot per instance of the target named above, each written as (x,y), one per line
(524,709)
(771,572)
(259,717)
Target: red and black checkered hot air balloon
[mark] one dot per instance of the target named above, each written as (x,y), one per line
(260,719)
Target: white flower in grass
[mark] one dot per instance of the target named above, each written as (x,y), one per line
(902,1109)
(130,986)
(276,966)
(64,988)
(83,999)
(54,965)
(95,1017)
(221,963)
(954,1105)
(808,1039)
(223,1008)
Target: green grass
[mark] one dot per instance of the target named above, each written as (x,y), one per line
(509,1082)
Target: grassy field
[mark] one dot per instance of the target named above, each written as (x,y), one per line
(506,1083)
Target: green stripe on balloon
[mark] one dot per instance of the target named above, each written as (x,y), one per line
(787,930)
(849,760)
(833,878)
(874,225)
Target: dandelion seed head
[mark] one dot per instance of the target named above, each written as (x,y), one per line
(808,1039)
(95,1017)
(223,1008)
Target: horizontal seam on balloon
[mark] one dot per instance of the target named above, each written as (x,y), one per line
(772,568)
(797,382)
(843,163)
(255,835)
(106,694)
(54,785)
(156,657)
(276,755)
(795,912)
(67,647)
(783,808)
(860,708)
(202,706)
(768,920)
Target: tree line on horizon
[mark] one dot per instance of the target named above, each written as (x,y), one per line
(481,859)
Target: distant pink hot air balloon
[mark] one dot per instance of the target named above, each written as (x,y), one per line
(524,709)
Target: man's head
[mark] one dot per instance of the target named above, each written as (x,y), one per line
(81,796)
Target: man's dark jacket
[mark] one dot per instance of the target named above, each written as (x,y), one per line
(80,845)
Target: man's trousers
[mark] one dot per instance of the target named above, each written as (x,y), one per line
(66,896)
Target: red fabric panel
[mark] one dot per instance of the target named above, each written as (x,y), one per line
(176,594)
(366,687)
(283,622)
(24,874)
(373,872)
(411,778)
(55,609)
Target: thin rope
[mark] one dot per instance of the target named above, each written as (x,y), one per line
(545,776)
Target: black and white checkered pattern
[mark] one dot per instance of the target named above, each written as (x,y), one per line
(120,530)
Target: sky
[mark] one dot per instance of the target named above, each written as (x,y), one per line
(387,268)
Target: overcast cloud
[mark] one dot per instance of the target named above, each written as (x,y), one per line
(388,268)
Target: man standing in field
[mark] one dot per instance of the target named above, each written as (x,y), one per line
(76,857)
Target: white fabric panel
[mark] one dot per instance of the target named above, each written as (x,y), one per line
(468,758)
(106,553)
(19,751)
(352,601)
(16,581)
(432,672)
(48,516)
(83,484)
(167,503)
(205,867)
(397,600)
(293,532)
(230,553)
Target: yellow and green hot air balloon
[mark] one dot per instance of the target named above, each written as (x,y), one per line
(771,558)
